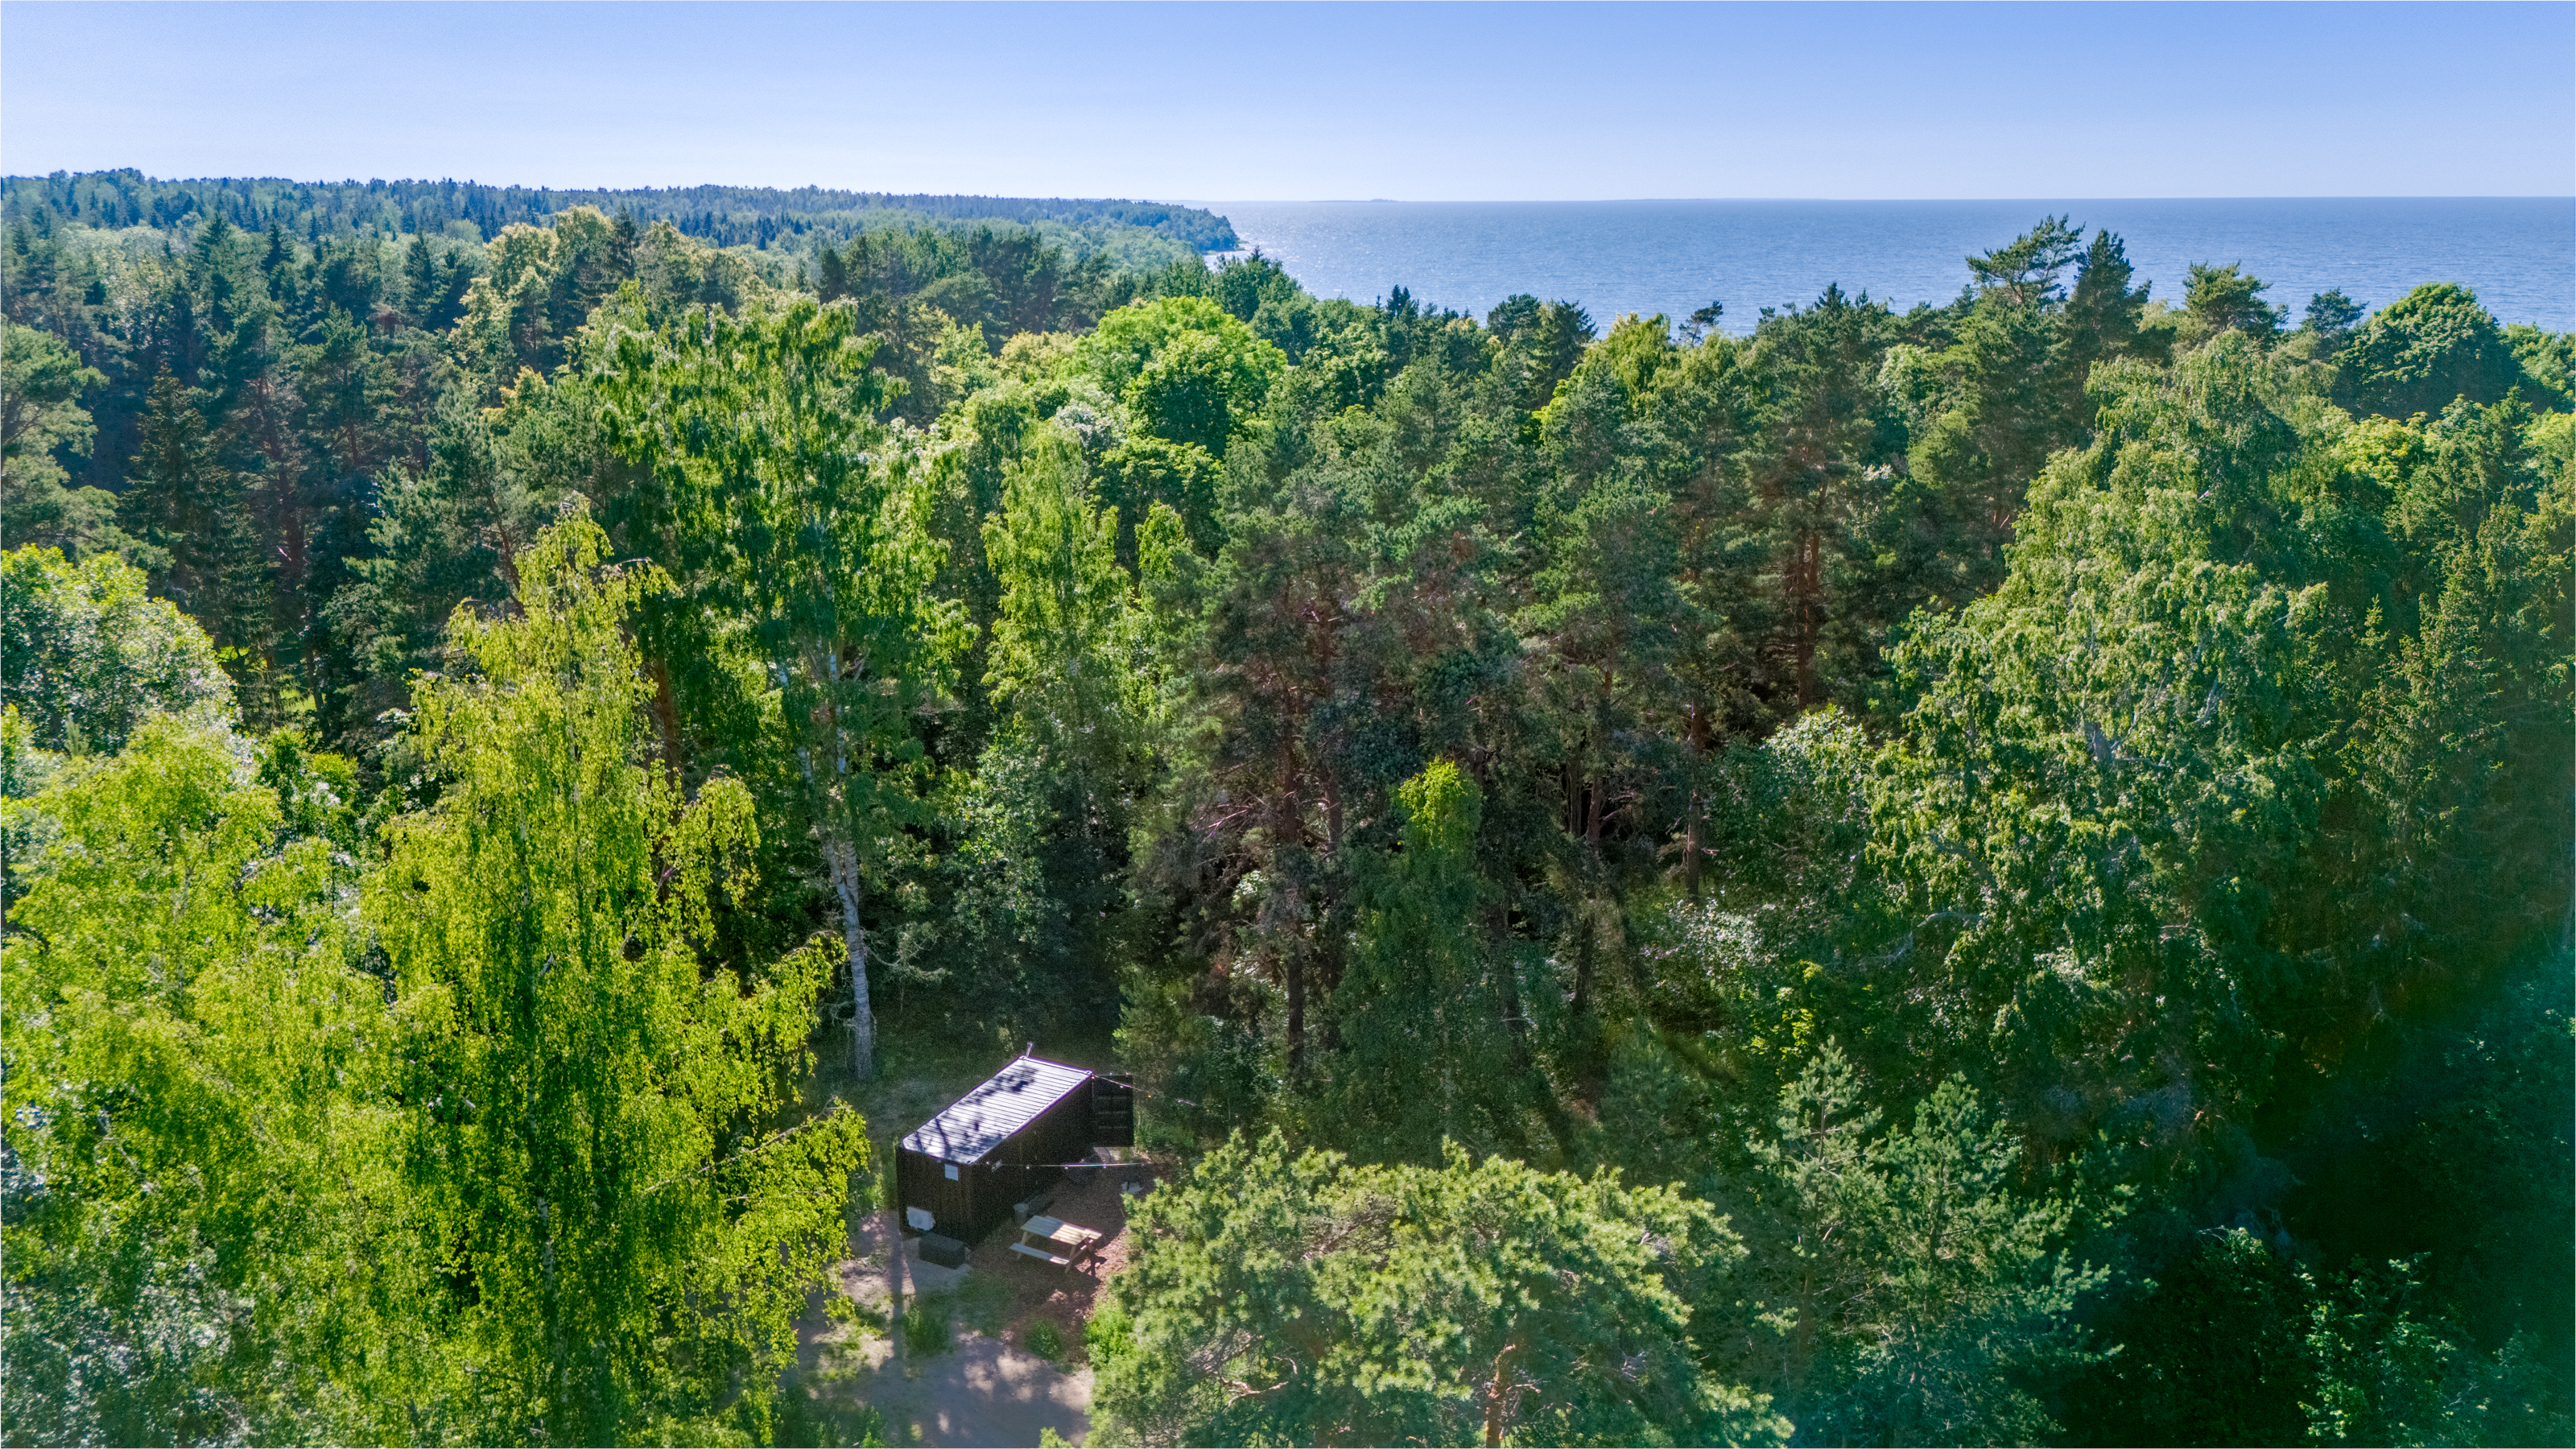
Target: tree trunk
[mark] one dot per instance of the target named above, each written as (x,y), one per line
(1809,572)
(1698,802)
(1690,844)
(854,935)
(1802,1347)
(1288,828)
(895,1285)
(1494,1391)
(1507,975)
(1583,962)
(1592,824)
(666,720)
(1296,972)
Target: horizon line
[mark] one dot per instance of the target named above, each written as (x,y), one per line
(1169,200)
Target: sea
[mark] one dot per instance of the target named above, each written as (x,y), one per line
(1674,257)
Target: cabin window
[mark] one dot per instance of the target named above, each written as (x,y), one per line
(951,1169)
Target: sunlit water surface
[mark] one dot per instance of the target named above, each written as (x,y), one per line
(2518,253)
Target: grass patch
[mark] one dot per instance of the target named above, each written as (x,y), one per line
(841,1308)
(925,1325)
(984,1303)
(808,1412)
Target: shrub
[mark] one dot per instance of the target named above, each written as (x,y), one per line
(925,1326)
(1043,1340)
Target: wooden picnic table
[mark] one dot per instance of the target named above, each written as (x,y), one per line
(1059,1242)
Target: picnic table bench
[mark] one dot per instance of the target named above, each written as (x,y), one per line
(1058,1242)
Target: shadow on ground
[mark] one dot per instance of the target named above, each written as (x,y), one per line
(959,1375)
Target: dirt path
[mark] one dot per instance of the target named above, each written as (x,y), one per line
(984,1393)
(979,1386)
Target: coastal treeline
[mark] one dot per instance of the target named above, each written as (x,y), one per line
(1993,872)
(762,217)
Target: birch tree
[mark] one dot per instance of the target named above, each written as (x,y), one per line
(799,529)
(602,1154)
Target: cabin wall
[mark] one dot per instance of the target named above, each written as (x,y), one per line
(1032,1159)
(1113,1110)
(921,1181)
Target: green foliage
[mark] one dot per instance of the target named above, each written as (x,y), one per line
(203,1179)
(2216,1352)
(2213,745)
(1064,655)
(1424,1046)
(625,1228)
(541,284)
(721,215)
(1986,409)
(2238,1345)
(1823,472)
(2421,351)
(2383,1376)
(86,654)
(1145,472)
(780,504)
(2548,364)
(445,534)
(2329,320)
(1037,916)
(1280,1298)
(925,1325)
(2445,1143)
(41,382)
(1541,343)
(192,509)
(1185,368)
(1909,1291)
(1043,1340)
(2227,299)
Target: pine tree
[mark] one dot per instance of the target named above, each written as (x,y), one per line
(832,276)
(187,503)
(420,280)
(2100,323)
(1297,1298)
(1423,1052)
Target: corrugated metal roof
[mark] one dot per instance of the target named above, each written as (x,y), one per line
(977,1122)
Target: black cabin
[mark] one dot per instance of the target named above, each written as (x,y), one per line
(1004,1141)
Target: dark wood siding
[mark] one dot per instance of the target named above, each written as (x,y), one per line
(1032,1159)
(921,1181)
(1113,1110)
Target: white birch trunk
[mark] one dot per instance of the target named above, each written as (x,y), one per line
(863,1020)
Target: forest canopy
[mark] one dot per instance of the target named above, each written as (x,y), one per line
(1996,872)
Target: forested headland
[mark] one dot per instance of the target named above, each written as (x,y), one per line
(1991,873)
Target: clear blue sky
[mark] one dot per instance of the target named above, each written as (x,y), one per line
(1415,102)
